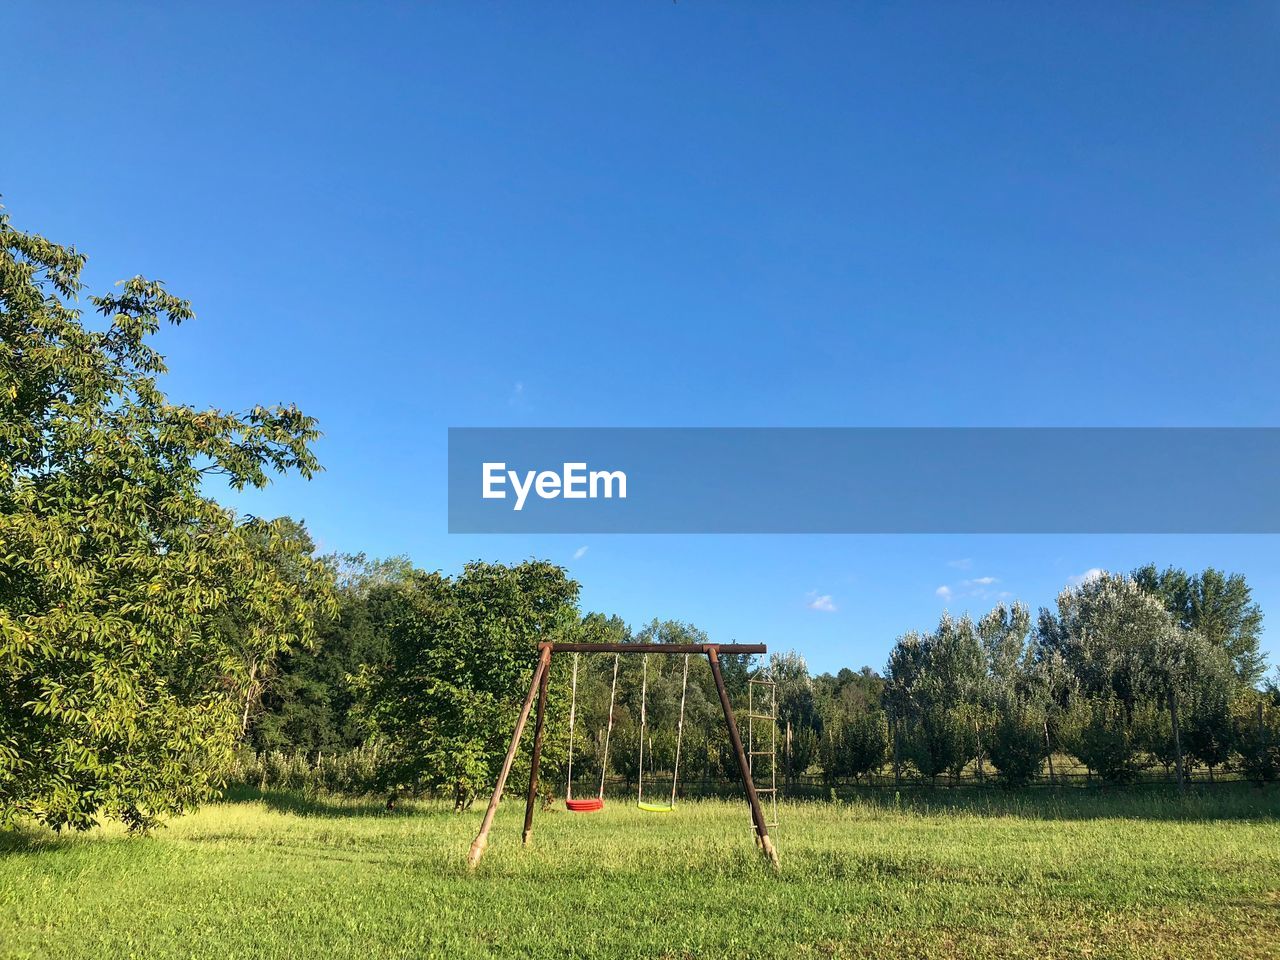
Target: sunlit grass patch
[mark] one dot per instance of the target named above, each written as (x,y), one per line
(281,875)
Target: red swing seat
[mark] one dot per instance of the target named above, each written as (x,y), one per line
(589,805)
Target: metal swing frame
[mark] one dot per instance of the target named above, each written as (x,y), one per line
(538,688)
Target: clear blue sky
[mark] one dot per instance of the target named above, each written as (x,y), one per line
(406,217)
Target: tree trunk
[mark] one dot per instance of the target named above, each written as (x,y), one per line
(1177,739)
(790,775)
(977,739)
(1048,751)
(897,761)
(248,699)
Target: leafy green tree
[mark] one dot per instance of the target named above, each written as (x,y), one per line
(938,740)
(119,693)
(1004,632)
(906,664)
(1125,643)
(854,738)
(865,743)
(1218,606)
(1256,734)
(936,685)
(308,706)
(460,654)
(1017,745)
(283,549)
(797,712)
(1211,732)
(1098,731)
(799,750)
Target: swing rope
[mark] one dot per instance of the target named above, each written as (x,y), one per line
(644,723)
(644,690)
(675,770)
(596,802)
(613,690)
(573,711)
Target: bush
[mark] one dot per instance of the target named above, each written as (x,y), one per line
(353,772)
(937,740)
(1257,741)
(1098,734)
(1017,747)
(854,746)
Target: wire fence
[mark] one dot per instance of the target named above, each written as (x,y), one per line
(1067,773)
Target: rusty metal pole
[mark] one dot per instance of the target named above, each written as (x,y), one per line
(753,798)
(536,763)
(482,838)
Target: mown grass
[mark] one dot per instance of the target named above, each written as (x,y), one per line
(977,875)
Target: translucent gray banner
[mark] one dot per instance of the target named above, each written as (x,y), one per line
(864,480)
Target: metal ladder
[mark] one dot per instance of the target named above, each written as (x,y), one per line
(762,743)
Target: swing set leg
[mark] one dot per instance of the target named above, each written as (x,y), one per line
(536,762)
(753,798)
(482,838)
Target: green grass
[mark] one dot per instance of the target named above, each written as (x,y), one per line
(984,875)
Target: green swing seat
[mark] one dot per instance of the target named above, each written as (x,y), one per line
(643,804)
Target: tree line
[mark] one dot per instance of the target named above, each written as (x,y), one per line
(151,639)
(1128,671)
(1153,668)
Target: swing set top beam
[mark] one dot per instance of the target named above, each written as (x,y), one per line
(728,649)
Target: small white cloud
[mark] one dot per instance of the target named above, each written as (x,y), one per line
(944,592)
(821,602)
(1090,575)
(580,553)
(982,581)
(962,564)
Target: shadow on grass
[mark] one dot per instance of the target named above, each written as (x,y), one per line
(303,804)
(24,839)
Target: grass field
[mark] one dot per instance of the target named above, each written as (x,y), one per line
(983,875)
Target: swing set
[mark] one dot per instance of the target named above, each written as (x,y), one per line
(595,803)
(538,688)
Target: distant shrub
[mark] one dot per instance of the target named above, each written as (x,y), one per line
(1017,745)
(351,772)
(1099,735)
(1257,741)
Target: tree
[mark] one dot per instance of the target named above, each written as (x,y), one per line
(1210,734)
(865,741)
(1125,643)
(935,687)
(906,663)
(1099,733)
(938,741)
(309,703)
(1018,748)
(117,693)
(855,733)
(1257,735)
(797,712)
(284,550)
(461,652)
(1216,605)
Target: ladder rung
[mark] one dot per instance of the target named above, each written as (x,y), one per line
(762,753)
(761,716)
(766,789)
